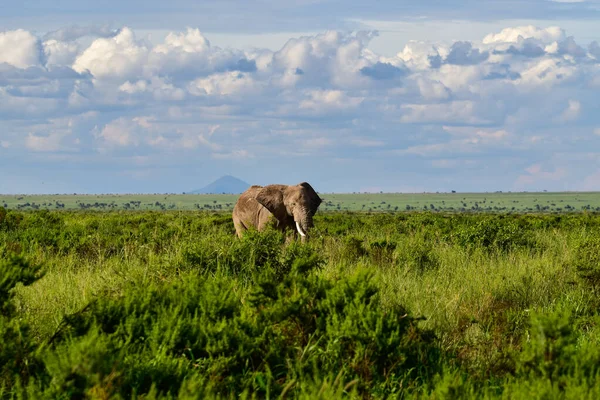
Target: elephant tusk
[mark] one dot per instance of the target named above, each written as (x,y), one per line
(300,231)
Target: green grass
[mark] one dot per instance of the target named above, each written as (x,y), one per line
(389,202)
(170,304)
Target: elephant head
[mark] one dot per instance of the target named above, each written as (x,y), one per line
(291,205)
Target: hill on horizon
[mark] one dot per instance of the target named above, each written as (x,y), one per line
(224,185)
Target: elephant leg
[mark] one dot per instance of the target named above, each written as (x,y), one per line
(265,218)
(239,227)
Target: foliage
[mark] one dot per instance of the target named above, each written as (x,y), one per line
(172,305)
(587,260)
(17,359)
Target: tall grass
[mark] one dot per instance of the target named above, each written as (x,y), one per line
(171,304)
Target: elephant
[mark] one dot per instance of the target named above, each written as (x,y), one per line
(284,206)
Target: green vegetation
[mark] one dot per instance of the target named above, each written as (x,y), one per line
(169,304)
(385,202)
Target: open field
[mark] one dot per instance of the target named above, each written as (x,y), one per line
(491,202)
(170,304)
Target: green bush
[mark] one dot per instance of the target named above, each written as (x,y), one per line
(173,305)
(555,355)
(162,337)
(587,260)
(17,349)
(417,254)
(491,233)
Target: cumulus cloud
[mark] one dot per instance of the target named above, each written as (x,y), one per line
(463,141)
(224,84)
(517,34)
(119,57)
(549,72)
(19,48)
(123,132)
(505,98)
(158,89)
(189,54)
(594,50)
(463,53)
(421,55)
(329,100)
(460,111)
(60,53)
(383,71)
(332,57)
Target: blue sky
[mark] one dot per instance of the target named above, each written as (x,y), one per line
(149,96)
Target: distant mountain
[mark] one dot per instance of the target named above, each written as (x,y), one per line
(226,184)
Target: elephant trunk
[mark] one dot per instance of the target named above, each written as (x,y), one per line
(303,223)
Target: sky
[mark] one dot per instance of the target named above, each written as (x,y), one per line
(351,96)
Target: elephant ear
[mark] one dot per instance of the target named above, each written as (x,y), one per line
(271,197)
(314,199)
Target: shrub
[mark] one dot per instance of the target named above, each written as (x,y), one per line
(353,248)
(491,233)
(164,337)
(554,353)
(17,349)
(586,260)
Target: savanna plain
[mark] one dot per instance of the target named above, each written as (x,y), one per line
(168,303)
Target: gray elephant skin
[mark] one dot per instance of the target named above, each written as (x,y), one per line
(285,206)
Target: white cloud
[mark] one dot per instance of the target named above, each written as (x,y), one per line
(502,99)
(464,140)
(122,132)
(422,55)
(19,48)
(329,100)
(119,57)
(464,112)
(50,143)
(148,134)
(157,87)
(458,77)
(190,55)
(60,53)
(517,34)
(331,57)
(433,90)
(54,135)
(572,112)
(224,84)
(548,72)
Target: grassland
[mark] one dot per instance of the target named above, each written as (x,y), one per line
(453,202)
(169,304)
